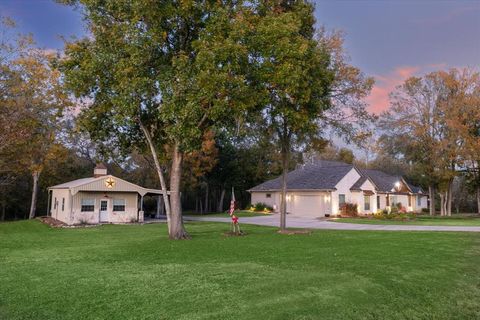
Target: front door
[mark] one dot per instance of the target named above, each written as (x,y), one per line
(103,210)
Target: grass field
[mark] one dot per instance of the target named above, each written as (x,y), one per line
(134,272)
(455,220)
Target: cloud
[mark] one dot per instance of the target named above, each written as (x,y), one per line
(378,99)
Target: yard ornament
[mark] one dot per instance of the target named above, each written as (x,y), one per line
(235,224)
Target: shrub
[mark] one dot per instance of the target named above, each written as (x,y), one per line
(261,207)
(349,209)
(425,210)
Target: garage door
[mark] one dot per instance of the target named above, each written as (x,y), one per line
(308,206)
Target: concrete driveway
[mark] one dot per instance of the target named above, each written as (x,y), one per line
(312,223)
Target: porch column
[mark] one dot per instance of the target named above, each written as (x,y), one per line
(141,213)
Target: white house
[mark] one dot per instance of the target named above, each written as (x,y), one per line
(320,189)
(102,198)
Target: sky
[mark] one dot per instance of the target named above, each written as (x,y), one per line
(390,40)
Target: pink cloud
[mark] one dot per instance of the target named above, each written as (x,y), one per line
(378,100)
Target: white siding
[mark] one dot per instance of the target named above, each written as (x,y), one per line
(343,187)
(73,215)
(56,211)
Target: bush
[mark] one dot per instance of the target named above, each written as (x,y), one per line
(349,209)
(425,210)
(261,207)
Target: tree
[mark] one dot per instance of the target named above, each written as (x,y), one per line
(160,75)
(33,99)
(303,75)
(430,125)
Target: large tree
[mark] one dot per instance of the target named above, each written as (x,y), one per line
(33,99)
(431,124)
(306,82)
(161,74)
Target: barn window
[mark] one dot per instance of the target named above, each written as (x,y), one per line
(378,202)
(118,204)
(63,204)
(55,203)
(419,201)
(269,195)
(366,201)
(341,199)
(88,205)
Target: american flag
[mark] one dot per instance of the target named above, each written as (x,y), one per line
(232,209)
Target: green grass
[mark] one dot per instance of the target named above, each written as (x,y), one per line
(240,214)
(460,220)
(134,272)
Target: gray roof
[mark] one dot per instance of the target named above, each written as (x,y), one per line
(323,175)
(357,185)
(382,181)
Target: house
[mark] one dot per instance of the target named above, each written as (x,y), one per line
(320,189)
(102,198)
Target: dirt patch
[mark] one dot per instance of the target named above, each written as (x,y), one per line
(292,232)
(52,222)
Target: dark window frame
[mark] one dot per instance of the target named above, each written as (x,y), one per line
(366,204)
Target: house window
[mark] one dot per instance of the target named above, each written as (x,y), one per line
(419,201)
(55,203)
(118,204)
(366,201)
(341,199)
(63,204)
(88,205)
(409,201)
(378,202)
(269,195)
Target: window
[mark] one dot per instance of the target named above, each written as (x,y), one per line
(63,204)
(269,195)
(103,205)
(118,204)
(419,201)
(366,201)
(55,203)
(88,205)
(341,199)
(410,201)
(378,202)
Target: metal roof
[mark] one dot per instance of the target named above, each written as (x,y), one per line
(101,184)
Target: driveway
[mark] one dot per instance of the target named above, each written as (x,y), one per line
(312,223)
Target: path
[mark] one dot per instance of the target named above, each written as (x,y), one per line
(312,223)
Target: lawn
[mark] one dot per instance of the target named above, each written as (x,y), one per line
(134,272)
(459,220)
(240,214)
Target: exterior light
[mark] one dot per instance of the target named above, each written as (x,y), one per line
(289,197)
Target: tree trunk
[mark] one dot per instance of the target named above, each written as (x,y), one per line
(449,198)
(177,230)
(283,203)
(431,194)
(206,199)
(442,207)
(478,199)
(33,204)
(158,168)
(4,209)
(220,203)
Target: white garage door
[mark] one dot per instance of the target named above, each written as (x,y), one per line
(309,206)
